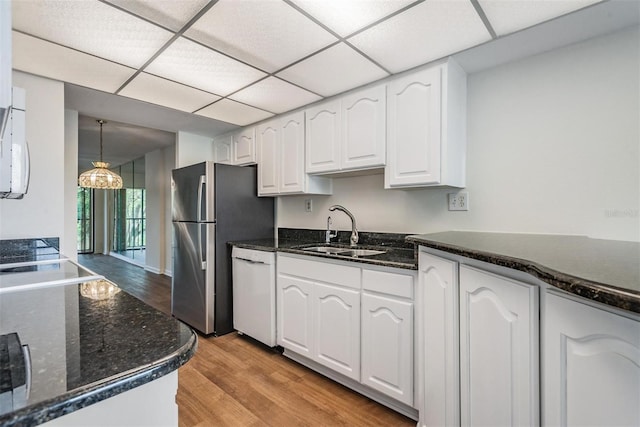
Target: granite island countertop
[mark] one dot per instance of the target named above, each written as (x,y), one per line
(606,271)
(83,350)
(397,253)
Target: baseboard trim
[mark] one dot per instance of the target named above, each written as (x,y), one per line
(354,385)
(152,269)
(127,259)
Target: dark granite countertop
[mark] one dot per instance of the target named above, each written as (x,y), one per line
(82,350)
(398,253)
(607,271)
(29,250)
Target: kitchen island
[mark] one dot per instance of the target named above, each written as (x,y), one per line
(558,316)
(85,353)
(605,271)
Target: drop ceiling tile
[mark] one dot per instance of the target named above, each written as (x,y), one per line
(172,14)
(234,112)
(333,70)
(426,32)
(156,90)
(268,34)
(509,16)
(192,64)
(273,94)
(50,60)
(91,26)
(347,16)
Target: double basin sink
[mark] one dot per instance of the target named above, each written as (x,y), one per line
(346,252)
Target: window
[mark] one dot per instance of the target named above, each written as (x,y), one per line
(130,219)
(85,220)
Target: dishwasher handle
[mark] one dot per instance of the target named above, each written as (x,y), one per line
(251,260)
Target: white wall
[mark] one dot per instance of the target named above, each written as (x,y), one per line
(70,247)
(41,212)
(191,149)
(155,183)
(169,164)
(553,147)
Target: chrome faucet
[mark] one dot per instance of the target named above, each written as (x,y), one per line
(329,235)
(354,231)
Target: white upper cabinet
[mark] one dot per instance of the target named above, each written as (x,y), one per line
(280,156)
(222,150)
(291,155)
(267,145)
(347,133)
(426,137)
(323,137)
(363,128)
(244,146)
(592,365)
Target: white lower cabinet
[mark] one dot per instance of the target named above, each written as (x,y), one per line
(337,329)
(498,350)
(353,319)
(294,314)
(387,346)
(438,342)
(592,365)
(478,338)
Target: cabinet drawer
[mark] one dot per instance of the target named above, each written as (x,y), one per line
(388,283)
(323,272)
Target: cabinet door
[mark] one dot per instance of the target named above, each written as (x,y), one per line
(498,350)
(387,346)
(337,329)
(292,175)
(244,151)
(222,151)
(363,128)
(294,314)
(323,137)
(592,366)
(267,143)
(414,135)
(438,342)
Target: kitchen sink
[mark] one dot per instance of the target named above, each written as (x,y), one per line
(343,251)
(326,249)
(361,252)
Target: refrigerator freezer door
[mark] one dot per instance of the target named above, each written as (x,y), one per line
(191,193)
(192,284)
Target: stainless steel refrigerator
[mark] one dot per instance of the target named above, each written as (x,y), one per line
(212,204)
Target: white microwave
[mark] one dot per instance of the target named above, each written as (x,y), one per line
(14,152)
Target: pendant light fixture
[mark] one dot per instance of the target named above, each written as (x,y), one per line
(100,177)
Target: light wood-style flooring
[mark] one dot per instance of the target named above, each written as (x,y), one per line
(235,381)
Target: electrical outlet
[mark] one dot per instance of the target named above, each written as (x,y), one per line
(458,201)
(308,205)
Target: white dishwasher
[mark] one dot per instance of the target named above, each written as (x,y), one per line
(254,294)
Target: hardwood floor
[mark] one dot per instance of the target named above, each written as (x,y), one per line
(235,381)
(153,289)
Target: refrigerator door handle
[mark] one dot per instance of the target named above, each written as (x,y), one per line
(201,254)
(201,183)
